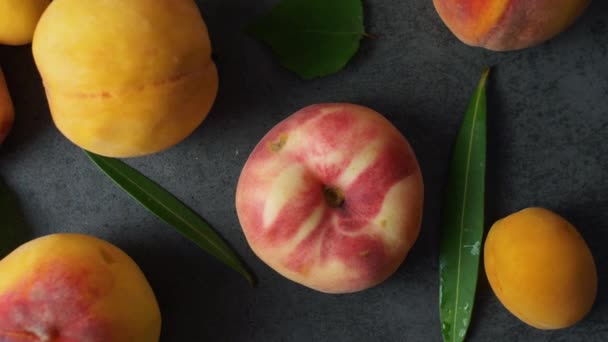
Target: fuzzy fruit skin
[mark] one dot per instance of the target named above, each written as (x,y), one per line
(289,222)
(7,112)
(540,268)
(75,288)
(135,78)
(18,19)
(503,25)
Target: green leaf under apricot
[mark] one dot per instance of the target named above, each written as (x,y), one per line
(462,221)
(312,38)
(171,210)
(13,228)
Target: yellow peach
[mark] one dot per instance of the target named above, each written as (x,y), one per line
(18,19)
(540,268)
(125,78)
(71,287)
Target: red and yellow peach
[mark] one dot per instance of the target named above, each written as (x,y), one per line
(332,198)
(73,288)
(508,24)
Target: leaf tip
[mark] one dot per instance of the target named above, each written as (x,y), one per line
(251,279)
(485,75)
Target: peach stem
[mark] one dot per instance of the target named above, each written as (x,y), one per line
(333,196)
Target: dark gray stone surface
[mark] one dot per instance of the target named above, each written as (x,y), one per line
(547,147)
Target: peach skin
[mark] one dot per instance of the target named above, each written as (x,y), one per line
(18,20)
(7,112)
(331,198)
(75,288)
(135,78)
(503,25)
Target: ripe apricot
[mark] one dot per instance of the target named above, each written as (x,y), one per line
(540,268)
(125,78)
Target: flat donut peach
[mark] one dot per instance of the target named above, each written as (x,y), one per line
(331,198)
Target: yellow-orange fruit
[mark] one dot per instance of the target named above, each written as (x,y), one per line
(508,24)
(125,78)
(18,19)
(541,268)
(7,113)
(71,287)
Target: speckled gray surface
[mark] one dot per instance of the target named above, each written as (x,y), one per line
(547,146)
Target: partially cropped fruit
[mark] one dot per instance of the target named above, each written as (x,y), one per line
(332,198)
(70,287)
(7,112)
(126,78)
(508,24)
(541,268)
(18,19)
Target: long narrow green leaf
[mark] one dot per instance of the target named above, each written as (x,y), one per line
(13,229)
(171,210)
(463,219)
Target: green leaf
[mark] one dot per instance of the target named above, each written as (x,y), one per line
(171,210)
(312,38)
(13,228)
(463,220)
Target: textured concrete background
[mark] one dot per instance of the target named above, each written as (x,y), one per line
(548,128)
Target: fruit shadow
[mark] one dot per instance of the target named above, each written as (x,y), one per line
(252,79)
(433,148)
(597,7)
(15,228)
(32,116)
(200,298)
(591,220)
(244,65)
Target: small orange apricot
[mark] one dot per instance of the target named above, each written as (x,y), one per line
(540,268)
